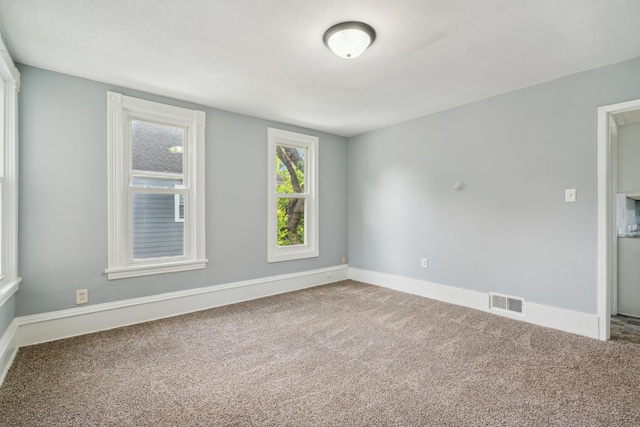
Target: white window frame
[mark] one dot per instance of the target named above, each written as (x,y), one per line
(121,264)
(310,247)
(10,86)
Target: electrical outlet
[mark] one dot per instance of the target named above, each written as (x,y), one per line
(424,263)
(82,296)
(344,259)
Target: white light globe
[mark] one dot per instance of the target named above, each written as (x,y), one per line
(349,43)
(349,39)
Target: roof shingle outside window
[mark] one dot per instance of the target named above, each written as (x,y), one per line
(151,147)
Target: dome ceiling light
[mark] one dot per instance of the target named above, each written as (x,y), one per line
(349,39)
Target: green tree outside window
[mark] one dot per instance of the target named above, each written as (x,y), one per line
(290,162)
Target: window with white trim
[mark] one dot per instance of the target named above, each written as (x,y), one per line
(292,195)
(9,88)
(156,188)
(3,142)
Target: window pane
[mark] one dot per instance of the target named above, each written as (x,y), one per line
(290,163)
(290,222)
(155,230)
(156,147)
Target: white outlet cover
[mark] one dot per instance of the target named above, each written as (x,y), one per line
(570,195)
(82,296)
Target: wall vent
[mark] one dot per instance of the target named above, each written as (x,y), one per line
(506,303)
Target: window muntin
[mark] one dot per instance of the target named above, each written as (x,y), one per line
(156,192)
(292,198)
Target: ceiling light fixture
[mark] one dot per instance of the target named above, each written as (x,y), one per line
(349,39)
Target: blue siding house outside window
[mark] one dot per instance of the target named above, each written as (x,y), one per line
(157,162)
(156,233)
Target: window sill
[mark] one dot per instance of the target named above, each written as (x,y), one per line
(148,270)
(8,289)
(291,253)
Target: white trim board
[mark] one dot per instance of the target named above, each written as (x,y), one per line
(39,328)
(8,290)
(8,348)
(543,315)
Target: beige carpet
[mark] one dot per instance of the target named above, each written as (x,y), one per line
(345,354)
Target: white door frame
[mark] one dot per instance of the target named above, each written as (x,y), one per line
(606,213)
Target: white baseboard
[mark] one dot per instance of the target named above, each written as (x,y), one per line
(38,328)
(552,317)
(8,348)
(56,325)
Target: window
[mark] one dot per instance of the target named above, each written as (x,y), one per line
(156,188)
(292,195)
(9,88)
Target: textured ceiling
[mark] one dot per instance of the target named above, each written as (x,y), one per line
(266,58)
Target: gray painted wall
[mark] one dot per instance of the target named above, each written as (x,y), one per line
(63,197)
(7,313)
(509,230)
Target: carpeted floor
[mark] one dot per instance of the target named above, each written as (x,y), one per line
(345,354)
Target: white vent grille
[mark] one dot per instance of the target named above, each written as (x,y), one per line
(506,303)
(498,301)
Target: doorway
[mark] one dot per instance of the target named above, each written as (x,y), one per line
(608,119)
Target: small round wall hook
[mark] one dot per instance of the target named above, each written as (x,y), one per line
(458,185)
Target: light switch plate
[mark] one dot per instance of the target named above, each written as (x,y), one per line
(570,195)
